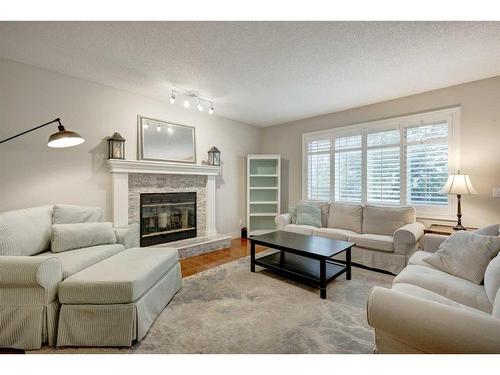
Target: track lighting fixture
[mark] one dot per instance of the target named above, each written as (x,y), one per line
(192,97)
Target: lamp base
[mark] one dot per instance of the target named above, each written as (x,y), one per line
(459,227)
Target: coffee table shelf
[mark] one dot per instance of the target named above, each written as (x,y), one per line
(296,266)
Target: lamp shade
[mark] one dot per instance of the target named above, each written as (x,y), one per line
(64,138)
(458,184)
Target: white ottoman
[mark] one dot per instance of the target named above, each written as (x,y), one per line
(115,301)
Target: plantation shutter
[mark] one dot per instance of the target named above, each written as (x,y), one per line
(318,168)
(427,163)
(383,167)
(348,168)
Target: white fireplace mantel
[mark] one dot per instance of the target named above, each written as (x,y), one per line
(120,170)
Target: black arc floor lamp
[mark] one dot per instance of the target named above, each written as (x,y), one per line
(63,138)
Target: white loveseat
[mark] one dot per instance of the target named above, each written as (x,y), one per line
(104,295)
(385,237)
(430,311)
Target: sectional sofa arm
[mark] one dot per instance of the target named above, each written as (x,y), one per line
(407,237)
(431,327)
(128,236)
(31,272)
(282,220)
(432,242)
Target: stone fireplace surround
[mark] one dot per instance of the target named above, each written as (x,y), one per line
(132,177)
(168,183)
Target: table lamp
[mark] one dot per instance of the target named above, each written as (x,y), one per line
(458,184)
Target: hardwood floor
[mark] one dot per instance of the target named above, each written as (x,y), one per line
(240,248)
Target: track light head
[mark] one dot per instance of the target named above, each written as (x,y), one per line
(189,98)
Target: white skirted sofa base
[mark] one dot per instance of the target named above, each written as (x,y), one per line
(430,311)
(385,236)
(115,302)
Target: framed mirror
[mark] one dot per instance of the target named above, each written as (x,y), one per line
(166,141)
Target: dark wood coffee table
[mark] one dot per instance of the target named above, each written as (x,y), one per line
(303,258)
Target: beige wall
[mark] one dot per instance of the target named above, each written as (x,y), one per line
(480,139)
(33,174)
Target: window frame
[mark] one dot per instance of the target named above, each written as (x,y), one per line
(451,115)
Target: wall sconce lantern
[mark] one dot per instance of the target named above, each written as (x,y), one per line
(116,147)
(214,156)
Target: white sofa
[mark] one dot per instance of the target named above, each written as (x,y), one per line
(385,237)
(430,311)
(105,295)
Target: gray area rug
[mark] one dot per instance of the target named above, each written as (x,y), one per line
(228,309)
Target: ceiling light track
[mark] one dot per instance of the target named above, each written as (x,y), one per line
(193,97)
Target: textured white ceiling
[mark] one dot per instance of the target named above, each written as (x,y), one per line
(263,73)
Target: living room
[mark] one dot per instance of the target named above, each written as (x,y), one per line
(254,187)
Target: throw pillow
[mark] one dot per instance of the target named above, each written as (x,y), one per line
(492,279)
(68,214)
(293,215)
(76,236)
(309,215)
(490,230)
(324,206)
(465,255)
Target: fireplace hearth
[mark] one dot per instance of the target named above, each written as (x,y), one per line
(166,217)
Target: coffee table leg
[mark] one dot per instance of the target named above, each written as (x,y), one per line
(252,256)
(322,278)
(348,264)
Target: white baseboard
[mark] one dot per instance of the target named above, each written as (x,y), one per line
(234,235)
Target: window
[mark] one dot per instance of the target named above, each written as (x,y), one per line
(348,168)
(427,163)
(398,161)
(383,167)
(318,169)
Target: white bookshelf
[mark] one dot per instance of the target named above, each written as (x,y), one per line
(263,192)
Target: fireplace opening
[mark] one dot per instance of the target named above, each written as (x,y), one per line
(167,217)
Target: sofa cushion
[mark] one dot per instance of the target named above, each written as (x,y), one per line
(496,306)
(68,214)
(73,261)
(418,259)
(419,292)
(465,255)
(75,236)
(492,278)
(333,233)
(293,214)
(25,231)
(121,278)
(386,220)
(324,206)
(373,241)
(449,286)
(309,215)
(346,216)
(302,229)
(490,230)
